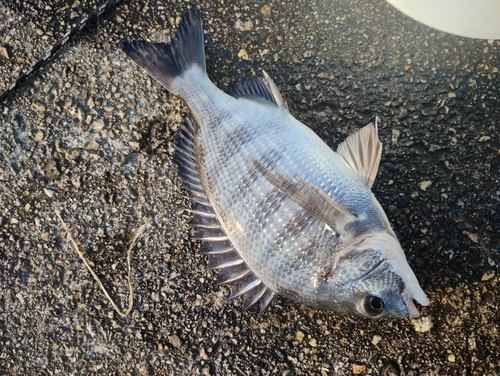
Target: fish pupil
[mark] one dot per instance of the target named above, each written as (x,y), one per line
(374,305)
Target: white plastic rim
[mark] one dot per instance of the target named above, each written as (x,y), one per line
(467,18)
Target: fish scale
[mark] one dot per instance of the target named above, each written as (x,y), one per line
(256,244)
(278,211)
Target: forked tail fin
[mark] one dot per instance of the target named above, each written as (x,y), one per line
(166,62)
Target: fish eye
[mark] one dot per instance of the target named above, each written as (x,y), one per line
(373,305)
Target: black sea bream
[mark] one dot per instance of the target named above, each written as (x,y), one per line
(278,211)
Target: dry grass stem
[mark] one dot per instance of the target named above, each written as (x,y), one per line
(137,235)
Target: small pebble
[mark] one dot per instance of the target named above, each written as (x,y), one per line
(48,192)
(265,10)
(422,324)
(4,53)
(243,54)
(358,369)
(299,336)
(425,184)
(376,340)
(175,341)
(98,124)
(38,108)
(487,276)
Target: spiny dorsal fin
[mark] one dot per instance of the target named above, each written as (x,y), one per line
(361,152)
(261,88)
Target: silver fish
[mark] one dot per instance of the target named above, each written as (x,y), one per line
(278,211)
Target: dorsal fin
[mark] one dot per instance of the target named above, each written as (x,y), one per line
(222,255)
(361,152)
(261,88)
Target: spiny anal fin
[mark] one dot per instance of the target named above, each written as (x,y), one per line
(222,255)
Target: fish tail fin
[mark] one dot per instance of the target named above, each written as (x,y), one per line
(166,62)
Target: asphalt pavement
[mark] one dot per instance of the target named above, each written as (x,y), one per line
(90,135)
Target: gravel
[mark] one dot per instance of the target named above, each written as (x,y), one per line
(90,135)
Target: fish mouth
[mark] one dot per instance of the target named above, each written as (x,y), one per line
(408,293)
(411,294)
(410,304)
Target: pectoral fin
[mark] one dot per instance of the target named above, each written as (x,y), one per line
(312,199)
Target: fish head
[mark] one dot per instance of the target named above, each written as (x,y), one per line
(373,279)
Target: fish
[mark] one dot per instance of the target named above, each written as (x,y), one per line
(278,212)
